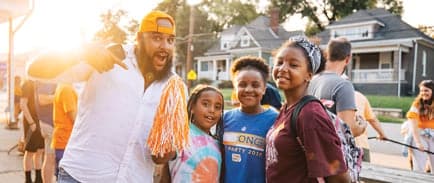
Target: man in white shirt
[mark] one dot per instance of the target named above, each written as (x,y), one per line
(118,107)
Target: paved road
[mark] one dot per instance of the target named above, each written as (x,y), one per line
(392,131)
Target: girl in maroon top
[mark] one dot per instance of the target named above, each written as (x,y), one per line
(322,161)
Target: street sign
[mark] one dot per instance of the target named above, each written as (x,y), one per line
(191,75)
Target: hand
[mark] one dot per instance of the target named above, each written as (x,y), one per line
(103,58)
(420,146)
(382,137)
(33,127)
(165,158)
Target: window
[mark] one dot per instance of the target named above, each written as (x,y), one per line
(224,45)
(354,33)
(385,60)
(245,40)
(424,63)
(206,66)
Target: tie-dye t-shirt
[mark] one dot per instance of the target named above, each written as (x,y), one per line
(200,161)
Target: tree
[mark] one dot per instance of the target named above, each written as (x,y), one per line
(111,31)
(324,12)
(227,12)
(428,30)
(211,17)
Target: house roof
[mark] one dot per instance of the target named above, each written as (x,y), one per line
(260,31)
(392,27)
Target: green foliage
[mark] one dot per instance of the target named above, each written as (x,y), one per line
(227,12)
(390,119)
(205,81)
(111,31)
(227,92)
(225,84)
(311,29)
(331,10)
(210,18)
(403,103)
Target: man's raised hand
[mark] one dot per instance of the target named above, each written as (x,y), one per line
(103,58)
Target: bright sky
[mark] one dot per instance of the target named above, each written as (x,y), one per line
(61,24)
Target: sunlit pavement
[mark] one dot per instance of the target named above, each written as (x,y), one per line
(382,153)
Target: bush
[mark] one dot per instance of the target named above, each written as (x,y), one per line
(225,84)
(403,103)
(205,81)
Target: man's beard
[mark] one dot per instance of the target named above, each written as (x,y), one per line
(146,66)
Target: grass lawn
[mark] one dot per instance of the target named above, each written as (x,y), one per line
(376,101)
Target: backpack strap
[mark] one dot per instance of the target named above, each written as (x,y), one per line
(293,121)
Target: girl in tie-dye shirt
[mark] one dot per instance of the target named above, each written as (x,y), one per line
(201,160)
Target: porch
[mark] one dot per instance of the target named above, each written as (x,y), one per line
(377,75)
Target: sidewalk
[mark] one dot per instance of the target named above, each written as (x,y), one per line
(11,169)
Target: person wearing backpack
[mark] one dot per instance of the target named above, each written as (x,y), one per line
(310,152)
(329,85)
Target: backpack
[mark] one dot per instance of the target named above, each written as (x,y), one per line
(352,153)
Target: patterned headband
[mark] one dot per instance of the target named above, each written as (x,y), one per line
(312,50)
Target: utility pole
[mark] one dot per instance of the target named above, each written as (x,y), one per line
(189,58)
(12,122)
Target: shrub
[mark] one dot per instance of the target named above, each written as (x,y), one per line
(403,103)
(205,81)
(225,84)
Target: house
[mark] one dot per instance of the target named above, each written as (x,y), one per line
(389,57)
(258,38)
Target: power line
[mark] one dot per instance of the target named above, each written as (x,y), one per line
(321,37)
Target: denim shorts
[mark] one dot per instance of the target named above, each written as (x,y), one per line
(64,177)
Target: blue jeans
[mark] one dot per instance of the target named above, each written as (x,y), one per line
(59,156)
(64,177)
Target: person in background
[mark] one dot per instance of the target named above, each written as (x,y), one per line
(244,128)
(316,156)
(34,142)
(17,109)
(408,138)
(17,94)
(201,161)
(44,93)
(64,112)
(329,85)
(130,91)
(421,115)
(365,111)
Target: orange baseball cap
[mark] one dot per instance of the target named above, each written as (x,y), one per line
(158,21)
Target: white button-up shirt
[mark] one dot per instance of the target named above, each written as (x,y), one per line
(115,115)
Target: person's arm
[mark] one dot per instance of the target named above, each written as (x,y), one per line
(69,97)
(413,115)
(346,108)
(416,136)
(26,113)
(45,99)
(339,178)
(165,158)
(372,119)
(377,127)
(349,117)
(51,65)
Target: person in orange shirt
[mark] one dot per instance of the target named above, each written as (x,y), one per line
(364,110)
(64,112)
(421,114)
